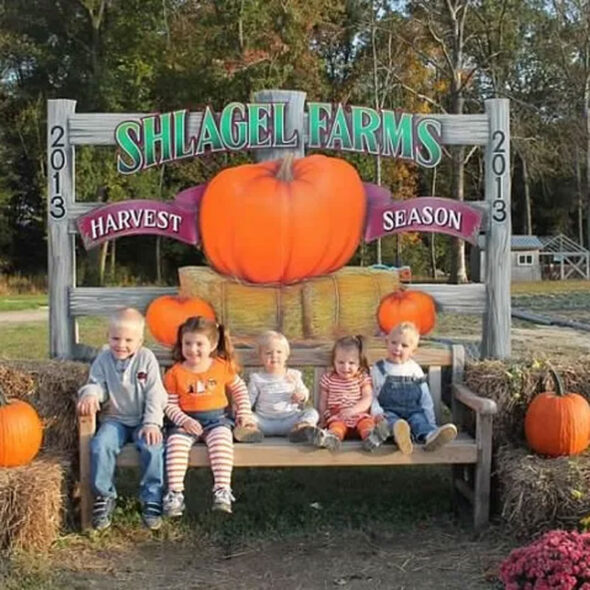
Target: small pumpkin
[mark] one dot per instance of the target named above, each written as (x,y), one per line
(557,423)
(283,221)
(166,313)
(407,306)
(21,432)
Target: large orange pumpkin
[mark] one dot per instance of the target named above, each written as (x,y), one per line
(283,221)
(558,423)
(407,306)
(21,432)
(165,314)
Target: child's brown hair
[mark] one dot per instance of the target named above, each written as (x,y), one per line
(217,334)
(352,342)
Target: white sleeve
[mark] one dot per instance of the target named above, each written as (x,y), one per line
(378,379)
(299,385)
(253,390)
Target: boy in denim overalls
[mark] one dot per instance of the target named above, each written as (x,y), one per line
(402,397)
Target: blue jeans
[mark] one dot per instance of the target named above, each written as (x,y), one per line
(400,399)
(104,448)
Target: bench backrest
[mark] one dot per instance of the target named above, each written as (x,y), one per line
(317,359)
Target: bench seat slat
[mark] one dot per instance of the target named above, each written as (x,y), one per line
(279,452)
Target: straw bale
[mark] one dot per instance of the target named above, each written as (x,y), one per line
(55,384)
(344,302)
(538,494)
(514,384)
(31,506)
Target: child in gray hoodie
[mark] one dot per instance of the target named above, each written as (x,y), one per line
(125,385)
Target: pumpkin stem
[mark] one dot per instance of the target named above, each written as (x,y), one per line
(559,386)
(285,171)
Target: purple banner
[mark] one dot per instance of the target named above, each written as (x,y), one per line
(427,214)
(177,220)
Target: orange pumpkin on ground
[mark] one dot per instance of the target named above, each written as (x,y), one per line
(407,306)
(21,432)
(558,423)
(166,313)
(283,221)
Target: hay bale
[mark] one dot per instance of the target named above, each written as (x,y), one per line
(344,302)
(31,507)
(51,387)
(512,385)
(539,494)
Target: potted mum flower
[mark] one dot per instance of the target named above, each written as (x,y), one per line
(559,560)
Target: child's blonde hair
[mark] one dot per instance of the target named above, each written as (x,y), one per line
(352,342)
(217,335)
(272,336)
(127,317)
(407,328)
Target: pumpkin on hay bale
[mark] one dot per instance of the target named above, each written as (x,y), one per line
(167,313)
(558,423)
(304,219)
(407,306)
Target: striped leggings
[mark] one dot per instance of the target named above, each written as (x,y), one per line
(220,446)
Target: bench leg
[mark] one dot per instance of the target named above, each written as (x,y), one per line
(86,427)
(483,472)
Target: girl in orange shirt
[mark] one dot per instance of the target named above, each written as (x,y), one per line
(198,384)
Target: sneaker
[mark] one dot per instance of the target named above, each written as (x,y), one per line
(403,437)
(377,437)
(439,437)
(102,512)
(303,433)
(248,434)
(325,439)
(151,514)
(173,504)
(222,500)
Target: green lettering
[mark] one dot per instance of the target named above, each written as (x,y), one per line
(428,148)
(279,128)
(258,134)
(365,125)
(233,129)
(209,134)
(339,131)
(157,131)
(318,116)
(181,150)
(130,155)
(397,135)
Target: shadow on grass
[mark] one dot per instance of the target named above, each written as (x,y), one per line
(282,502)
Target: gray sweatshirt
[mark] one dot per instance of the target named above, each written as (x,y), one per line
(131,391)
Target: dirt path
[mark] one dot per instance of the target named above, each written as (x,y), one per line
(26,315)
(426,558)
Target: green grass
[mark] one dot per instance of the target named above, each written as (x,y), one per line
(22,302)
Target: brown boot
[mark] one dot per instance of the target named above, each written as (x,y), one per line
(248,434)
(302,432)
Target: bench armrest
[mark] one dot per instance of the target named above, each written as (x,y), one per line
(481,405)
(86,426)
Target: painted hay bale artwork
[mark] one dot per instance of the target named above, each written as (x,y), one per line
(344,302)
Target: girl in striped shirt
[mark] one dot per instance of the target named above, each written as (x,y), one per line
(198,385)
(345,395)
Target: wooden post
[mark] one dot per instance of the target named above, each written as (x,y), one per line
(483,472)
(86,428)
(496,325)
(294,121)
(61,265)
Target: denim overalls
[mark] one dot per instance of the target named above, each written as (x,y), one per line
(401,397)
(208,420)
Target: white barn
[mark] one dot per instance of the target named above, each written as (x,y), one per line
(524,258)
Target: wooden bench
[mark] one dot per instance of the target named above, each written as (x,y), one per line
(470,454)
